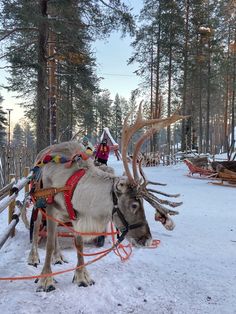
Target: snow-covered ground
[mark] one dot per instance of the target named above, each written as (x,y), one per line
(192,271)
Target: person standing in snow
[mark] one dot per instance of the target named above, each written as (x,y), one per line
(102,153)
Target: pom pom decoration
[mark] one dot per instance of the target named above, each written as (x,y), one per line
(64,160)
(47,159)
(40,163)
(56,159)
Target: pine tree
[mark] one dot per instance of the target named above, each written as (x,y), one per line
(103,111)
(116,116)
(3,124)
(29,138)
(67,27)
(158,51)
(18,136)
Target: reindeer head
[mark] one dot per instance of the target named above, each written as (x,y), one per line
(128,213)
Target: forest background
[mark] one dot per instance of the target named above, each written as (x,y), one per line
(185,53)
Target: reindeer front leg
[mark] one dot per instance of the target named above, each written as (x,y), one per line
(47,284)
(33,258)
(81,276)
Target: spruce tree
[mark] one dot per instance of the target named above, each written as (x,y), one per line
(29,27)
(3,124)
(18,136)
(116,117)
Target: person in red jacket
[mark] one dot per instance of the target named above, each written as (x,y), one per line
(103,151)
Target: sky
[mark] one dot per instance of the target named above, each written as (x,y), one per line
(191,272)
(112,55)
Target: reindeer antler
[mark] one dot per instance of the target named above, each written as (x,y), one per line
(127,132)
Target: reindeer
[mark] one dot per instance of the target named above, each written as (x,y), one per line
(100,196)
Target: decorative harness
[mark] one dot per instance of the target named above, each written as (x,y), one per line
(41,197)
(68,194)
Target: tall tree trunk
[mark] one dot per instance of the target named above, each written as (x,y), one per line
(157,107)
(169,99)
(226,107)
(42,101)
(208,86)
(52,85)
(185,124)
(151,98)
(200,61)
(208,100)
(233,95)
(200,109)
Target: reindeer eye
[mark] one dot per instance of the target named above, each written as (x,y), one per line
(134,205)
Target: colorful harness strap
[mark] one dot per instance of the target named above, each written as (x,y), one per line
(72,182)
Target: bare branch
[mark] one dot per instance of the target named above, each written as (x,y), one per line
(109,6)
(18,29)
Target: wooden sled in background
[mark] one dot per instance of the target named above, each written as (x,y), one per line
(203,172)
(227,177)
(224,176)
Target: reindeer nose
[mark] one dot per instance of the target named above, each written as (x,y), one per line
(145,240)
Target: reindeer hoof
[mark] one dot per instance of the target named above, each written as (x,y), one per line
(45,289)
(40,289)
(59,260)
(50,288)
(85,284)
(33,261)
(34,264)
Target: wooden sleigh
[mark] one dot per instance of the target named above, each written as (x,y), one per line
(224,176)
(204,172)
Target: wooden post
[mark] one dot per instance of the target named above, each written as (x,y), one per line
(26,172)
(11,208)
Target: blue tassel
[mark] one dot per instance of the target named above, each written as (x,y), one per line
(41,203)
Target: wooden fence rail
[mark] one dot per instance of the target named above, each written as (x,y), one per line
(10,228)
(14,160)
(9,194)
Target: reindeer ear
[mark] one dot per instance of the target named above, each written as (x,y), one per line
(121,185)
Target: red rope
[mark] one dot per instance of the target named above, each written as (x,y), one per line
(115,248)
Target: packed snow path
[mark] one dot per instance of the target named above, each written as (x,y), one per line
(192,271)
